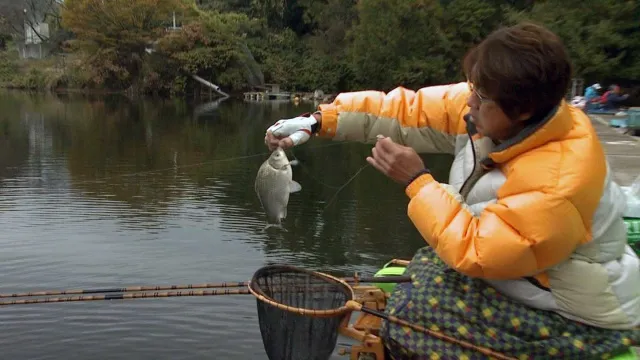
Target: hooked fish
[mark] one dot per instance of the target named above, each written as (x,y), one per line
(273,185)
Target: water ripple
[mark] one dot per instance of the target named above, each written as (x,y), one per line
(92,196)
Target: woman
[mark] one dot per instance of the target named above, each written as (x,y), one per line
(527,246)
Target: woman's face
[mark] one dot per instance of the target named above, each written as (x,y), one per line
(490,120)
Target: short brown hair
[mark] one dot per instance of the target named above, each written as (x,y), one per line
(524,68)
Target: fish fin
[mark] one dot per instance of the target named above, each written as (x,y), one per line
(294,186)
(277,226)
(294,162)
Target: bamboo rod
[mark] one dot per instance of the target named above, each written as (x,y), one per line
(126,296)
(221,285)
(127,289)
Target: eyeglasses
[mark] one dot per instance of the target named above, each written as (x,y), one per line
(476,93)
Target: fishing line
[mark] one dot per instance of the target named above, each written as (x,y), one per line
(233,158)
(303,168)
(314,178)
(339,188)
(343,186)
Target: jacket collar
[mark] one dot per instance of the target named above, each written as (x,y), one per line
(553,126)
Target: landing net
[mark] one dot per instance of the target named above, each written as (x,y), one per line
(299,311)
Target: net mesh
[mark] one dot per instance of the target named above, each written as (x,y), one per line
(286,333)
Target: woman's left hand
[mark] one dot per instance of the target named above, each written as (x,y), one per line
(396,161)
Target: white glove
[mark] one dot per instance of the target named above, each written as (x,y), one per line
(297,129)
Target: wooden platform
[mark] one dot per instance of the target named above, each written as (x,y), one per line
(623,151)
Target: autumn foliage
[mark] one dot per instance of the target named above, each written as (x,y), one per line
(114,34)
(333,45)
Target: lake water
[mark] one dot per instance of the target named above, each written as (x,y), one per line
(105,191)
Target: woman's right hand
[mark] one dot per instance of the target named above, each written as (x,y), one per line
(287,133)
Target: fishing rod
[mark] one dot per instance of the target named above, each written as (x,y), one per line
(126,289)
(136,295)
(241,288)
(222,285)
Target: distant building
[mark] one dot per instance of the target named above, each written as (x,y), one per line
(36,34)
(36,41)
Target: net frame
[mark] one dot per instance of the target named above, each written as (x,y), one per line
(370,342)
(256,291)
(324,300)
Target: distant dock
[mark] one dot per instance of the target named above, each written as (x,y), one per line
(267,92)
(272,92)
(263,95)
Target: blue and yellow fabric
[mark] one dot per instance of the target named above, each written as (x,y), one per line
(442,299)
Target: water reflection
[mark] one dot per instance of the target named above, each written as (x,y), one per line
(104,191)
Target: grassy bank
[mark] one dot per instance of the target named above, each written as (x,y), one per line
(73,72)
(70,73)
(50,73)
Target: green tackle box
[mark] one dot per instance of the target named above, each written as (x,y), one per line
(633,122)
(633,233)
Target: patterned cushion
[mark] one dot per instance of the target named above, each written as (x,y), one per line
(442,299)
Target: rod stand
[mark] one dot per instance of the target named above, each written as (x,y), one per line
(366,329)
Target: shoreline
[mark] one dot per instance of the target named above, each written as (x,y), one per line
(622,150)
